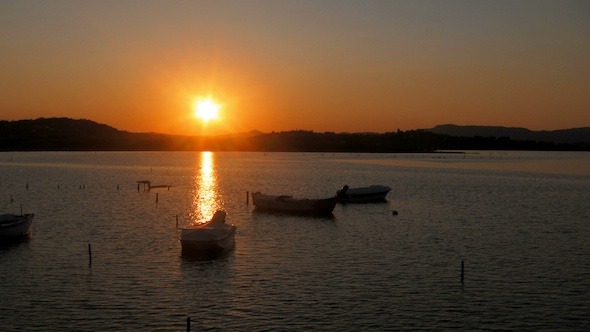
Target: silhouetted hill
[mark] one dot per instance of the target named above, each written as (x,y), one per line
(64,134)
(575,135)
(55,133)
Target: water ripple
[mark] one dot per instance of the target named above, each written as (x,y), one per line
(522,235)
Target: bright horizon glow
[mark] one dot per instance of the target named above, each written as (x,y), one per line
(348,66)
(206,109)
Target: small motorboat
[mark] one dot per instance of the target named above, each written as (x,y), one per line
(12,225)
(213,236)
(288,204)
(374,193)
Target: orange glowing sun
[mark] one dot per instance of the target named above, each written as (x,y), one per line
(206,109)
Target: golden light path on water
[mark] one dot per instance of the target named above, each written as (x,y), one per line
(205,201)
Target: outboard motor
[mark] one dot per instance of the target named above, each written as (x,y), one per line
(342,195)
(219,215)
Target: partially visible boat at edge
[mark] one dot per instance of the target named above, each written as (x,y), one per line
(288,204)
(374,193)
(12,225)
(213,236)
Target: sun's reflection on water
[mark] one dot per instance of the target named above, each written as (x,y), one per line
(206,199)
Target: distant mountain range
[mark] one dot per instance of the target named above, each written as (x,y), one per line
(64,134)
(574,135)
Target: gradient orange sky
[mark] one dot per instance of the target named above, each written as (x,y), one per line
(343,66)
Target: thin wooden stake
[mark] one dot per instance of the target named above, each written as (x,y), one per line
(188,324)
(156,198)
(176,221)
(89,255)
(247,197)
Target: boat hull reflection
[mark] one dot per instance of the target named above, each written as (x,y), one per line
(204,256)
(14,241)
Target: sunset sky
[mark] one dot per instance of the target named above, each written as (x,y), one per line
(342,66)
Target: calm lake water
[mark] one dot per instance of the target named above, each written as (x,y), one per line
(519,220)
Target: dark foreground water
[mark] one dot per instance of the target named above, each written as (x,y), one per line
(520,222)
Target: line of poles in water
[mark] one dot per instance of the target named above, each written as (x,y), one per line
(188,319)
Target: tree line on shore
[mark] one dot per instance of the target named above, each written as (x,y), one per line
(64,134)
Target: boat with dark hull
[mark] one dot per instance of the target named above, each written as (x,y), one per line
(12,225)
(374,193)
(288,204)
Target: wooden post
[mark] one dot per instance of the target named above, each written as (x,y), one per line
(462,271)
(247,197)
(89,255)
(27,186)
(156,198)
(117,187)
(176,221)
(188,324)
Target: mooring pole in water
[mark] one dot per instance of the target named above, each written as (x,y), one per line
(27,186)
(117,187)
(89,255)
(176,221)
(462,271)
(247,197)
(188,324)
(156,198)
